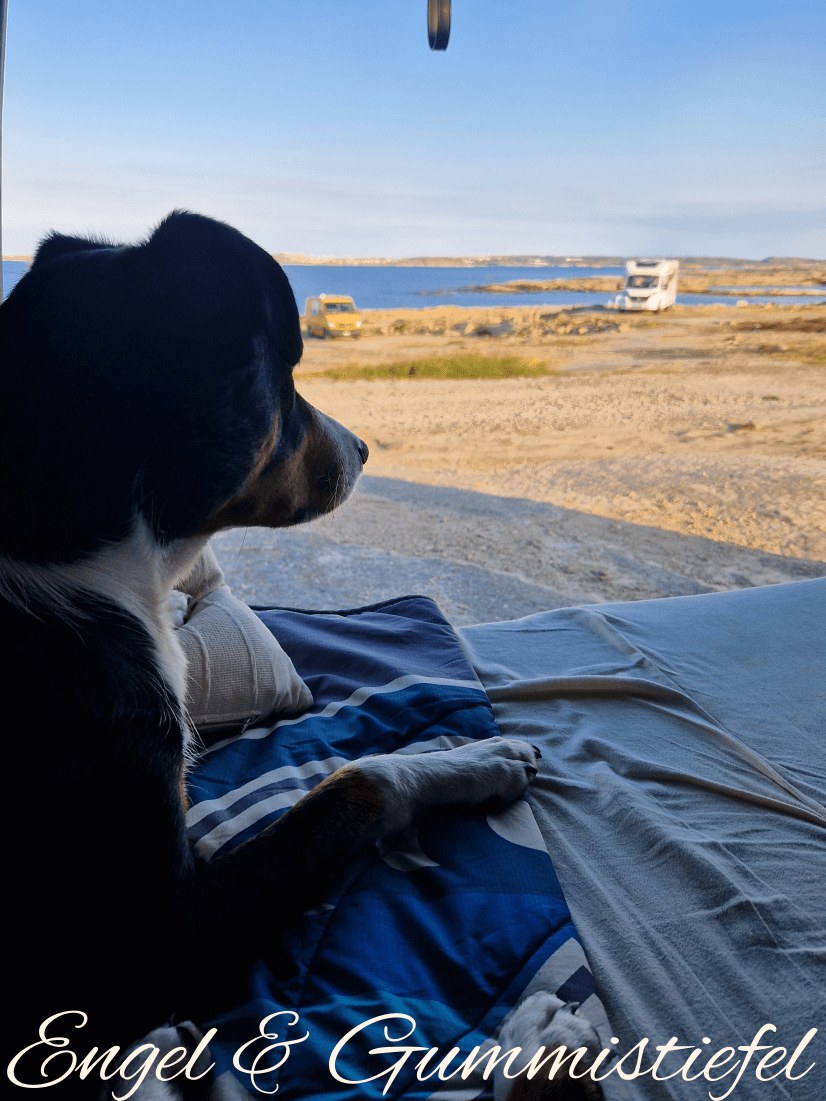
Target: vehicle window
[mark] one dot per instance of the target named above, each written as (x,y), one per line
(339,307)
(642,281)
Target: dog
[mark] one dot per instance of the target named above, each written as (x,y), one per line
(147,403)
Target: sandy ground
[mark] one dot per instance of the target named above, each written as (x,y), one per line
(704,423)
(683,422)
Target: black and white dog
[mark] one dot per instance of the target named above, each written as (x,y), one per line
(147,402)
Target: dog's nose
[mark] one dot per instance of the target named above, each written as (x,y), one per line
(363,451)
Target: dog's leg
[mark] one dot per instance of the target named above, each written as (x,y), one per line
(544,1021)
(287,867)
(497,768)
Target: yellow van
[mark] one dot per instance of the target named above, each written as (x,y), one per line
(331,315)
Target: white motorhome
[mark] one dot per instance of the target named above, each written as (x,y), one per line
(649,285)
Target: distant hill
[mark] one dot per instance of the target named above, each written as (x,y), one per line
(528,261)
(533,260)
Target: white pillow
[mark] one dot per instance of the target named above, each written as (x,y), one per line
(236,671)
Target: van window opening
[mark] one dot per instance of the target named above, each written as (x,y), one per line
(642,281)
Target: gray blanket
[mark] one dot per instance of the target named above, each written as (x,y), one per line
(683,801)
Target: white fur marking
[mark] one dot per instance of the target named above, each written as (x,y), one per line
(137,574)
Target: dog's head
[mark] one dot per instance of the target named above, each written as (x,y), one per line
(154,383)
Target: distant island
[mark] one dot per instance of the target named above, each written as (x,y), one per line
(299,258)
(687,263)
(528,261)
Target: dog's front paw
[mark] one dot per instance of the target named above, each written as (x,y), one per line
(175,1044)
(544,1021)
(177,604)
(496,768)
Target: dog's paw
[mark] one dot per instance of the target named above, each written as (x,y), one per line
(545,1021)
(177,606)
(496,768)
(177,1043)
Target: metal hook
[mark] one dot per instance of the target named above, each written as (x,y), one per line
(438,23)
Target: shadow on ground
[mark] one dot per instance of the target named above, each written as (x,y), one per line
(481,558)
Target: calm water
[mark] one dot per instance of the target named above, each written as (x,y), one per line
(12,270)
(415,288)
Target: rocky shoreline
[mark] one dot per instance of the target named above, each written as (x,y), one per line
(798,280)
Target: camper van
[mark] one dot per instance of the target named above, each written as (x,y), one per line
(331,315)
(649,285)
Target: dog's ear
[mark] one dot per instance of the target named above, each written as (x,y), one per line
(55,245)
(213,276)
(218,332)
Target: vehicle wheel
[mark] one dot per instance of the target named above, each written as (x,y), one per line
(438,23)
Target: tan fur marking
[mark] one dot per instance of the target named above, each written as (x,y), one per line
(182,790)
(272,500)
(358,794)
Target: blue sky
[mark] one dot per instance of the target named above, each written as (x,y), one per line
(328,127)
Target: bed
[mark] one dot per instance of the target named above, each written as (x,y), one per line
(666,871)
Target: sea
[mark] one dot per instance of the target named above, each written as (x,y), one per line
(375,287)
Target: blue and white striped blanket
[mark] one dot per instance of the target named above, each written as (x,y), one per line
(448,929)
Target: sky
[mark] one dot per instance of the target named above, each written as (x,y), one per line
(328,127)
